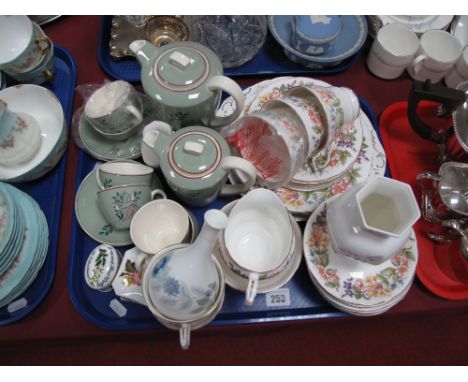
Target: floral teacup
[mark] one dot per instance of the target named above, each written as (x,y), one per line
(120,203)
(273,141)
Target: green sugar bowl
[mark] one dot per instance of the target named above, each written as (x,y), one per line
(195,162)
(185,80)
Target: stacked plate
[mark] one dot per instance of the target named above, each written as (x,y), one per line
(353,286)
(357,155)
(24,242)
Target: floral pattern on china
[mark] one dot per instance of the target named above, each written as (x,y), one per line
(9,141)
(346,149)
(175,292)
(308,200)
(380,284)
(125,205)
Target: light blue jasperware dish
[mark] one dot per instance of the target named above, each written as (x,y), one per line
(348,42)
(314,35)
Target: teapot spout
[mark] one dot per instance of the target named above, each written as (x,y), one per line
(143,51)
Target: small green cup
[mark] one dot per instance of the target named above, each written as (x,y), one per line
(120,203)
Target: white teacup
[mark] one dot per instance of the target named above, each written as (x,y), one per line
(438,52)
(392,51)
(459,72)
(158,224)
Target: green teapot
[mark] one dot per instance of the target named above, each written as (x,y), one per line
(185,80)
(195,162)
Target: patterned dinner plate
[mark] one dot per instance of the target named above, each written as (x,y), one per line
(353,281)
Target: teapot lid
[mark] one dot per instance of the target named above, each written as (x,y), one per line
(194,154)
(181,68)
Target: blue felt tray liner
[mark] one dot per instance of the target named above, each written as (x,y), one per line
(48,190)
(269,60)
(306,303)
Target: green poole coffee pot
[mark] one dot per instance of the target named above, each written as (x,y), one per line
(195,162)
(185,80)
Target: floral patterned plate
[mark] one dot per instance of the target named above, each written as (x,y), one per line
(278,87)
(304,202)
(349,280)
(363,311)
(342,157)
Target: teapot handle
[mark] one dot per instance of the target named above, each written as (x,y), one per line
(233,89)
(243,165)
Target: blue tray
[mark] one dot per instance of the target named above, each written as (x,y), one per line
(269,60)
(306,302)
(48,191)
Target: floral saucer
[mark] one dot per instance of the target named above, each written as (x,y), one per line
(278,88)
(239,283)
(353,281)
(102,148)
(344,154)
(304,202)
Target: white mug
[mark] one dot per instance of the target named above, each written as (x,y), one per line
(438,53)
(392,51)
(459,72)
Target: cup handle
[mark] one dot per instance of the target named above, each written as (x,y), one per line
(328,157)
(428,211)
(98,177)
(417,63)
(184,336)
(158,192)
(251,291)
(233,89)
(136,113)
(243,165)
(149,130)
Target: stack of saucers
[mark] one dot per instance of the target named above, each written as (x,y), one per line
(24,242)
(353,286)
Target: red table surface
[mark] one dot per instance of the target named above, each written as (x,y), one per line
(422,329)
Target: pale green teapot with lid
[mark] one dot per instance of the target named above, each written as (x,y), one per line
(195,162)
(185,80)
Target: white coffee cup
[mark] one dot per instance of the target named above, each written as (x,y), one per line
(438,53)
(459,72)
(392,51)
